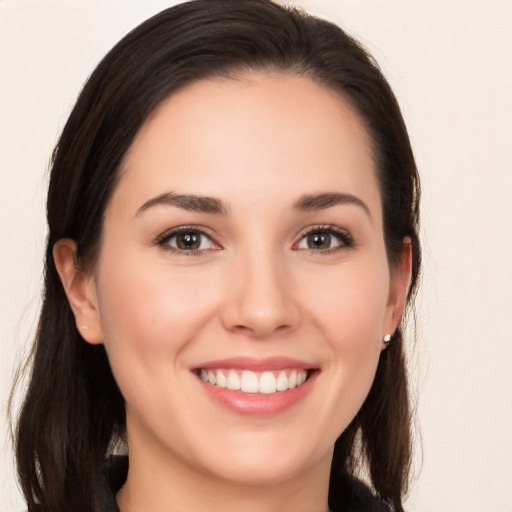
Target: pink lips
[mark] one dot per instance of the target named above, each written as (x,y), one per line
(254,403)
(256,365)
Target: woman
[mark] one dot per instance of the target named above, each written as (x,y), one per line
(233,216)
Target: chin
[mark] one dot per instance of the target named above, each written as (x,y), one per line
(261,472)
(263,461)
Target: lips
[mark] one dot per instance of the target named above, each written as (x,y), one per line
(257,386)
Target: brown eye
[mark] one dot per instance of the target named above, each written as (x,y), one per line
(319,240)
(188,240)
(325,240)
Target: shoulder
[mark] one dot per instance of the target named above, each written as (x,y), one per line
(115,473)
(353,495)
(363,500)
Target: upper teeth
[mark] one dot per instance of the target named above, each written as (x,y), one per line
(252,382)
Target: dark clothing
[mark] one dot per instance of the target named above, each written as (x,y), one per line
(361,498)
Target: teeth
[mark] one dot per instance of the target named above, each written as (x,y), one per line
(222,382)
(267,383)
(282,382)
(292,380)
(233,381)
(250,382)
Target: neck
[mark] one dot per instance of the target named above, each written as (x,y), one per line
(162,482)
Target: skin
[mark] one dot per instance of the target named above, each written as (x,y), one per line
(255,288)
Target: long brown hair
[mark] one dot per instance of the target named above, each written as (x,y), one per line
(73,409)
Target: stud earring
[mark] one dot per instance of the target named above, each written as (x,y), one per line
(387,339)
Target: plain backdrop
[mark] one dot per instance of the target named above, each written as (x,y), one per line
(450,63)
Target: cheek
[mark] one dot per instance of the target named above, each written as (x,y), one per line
(350,305)
(148,316)
(145,308)
(350,313)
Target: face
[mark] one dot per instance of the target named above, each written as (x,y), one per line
(243,248)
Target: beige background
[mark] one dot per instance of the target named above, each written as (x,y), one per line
(450,63)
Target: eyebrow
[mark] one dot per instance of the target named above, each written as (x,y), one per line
(188,202)
(205,204)
(323,200)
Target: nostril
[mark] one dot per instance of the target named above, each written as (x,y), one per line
(259,307)
(261,329)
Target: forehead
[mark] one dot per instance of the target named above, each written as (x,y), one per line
(258,133)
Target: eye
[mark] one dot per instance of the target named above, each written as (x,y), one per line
(325,239)
(187,240)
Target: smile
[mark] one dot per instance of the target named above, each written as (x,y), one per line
(247,381)
(257,387)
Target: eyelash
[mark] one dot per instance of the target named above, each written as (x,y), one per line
(164,238)
(345,238)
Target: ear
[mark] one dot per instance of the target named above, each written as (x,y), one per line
(399,288)
(80,289)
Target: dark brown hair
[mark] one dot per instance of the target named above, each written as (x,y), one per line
(73,408)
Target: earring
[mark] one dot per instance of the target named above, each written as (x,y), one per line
(387,339)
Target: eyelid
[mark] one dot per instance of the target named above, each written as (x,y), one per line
(163,238)
(343,235)
(346,239)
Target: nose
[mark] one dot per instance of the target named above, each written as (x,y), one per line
(260,300)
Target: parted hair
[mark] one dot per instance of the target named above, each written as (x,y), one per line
(73,411)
